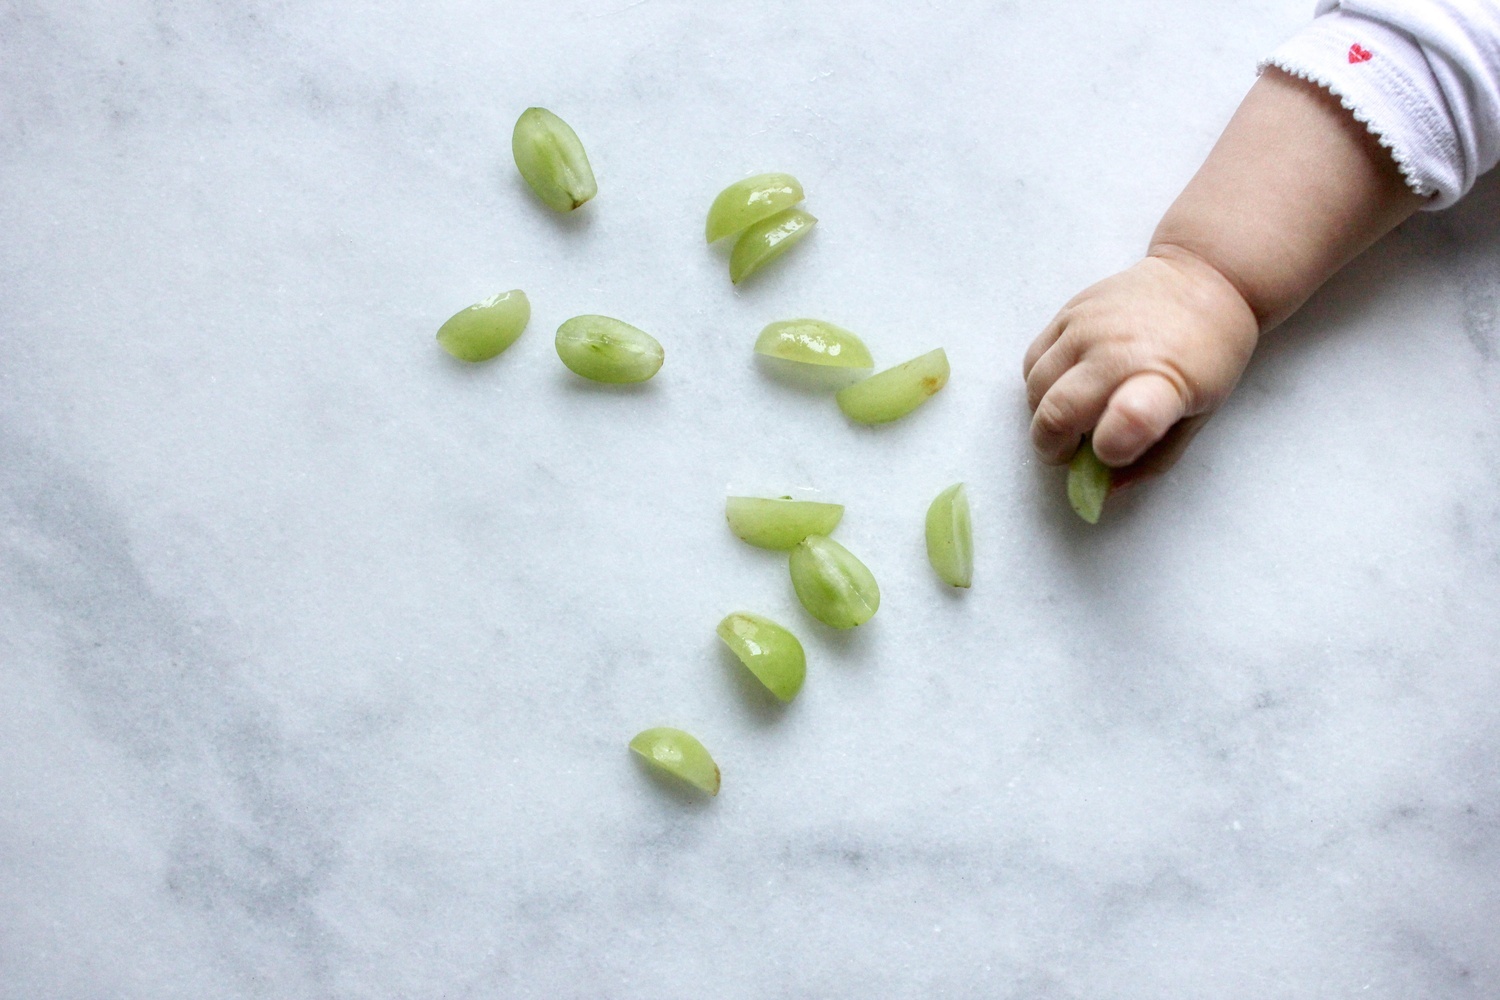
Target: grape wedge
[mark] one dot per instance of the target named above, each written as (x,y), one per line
(835,587)
(950,537)
(486,328)
(678,753)
(552,160)
(770,652)
(1088,483)
(780,524)
(746,202)
(813,342)
(897,391)
(766,240)
(607,350)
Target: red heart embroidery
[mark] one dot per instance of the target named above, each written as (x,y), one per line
(1358,53)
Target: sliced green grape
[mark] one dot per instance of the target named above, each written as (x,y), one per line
(1088,483)
(486,328)
(780,524)
(835,587)
(678,753)
(766,240)
(772,653)
(746,202)
(813,342)
(950,537)
(897,391)
(607,350)
(552,160)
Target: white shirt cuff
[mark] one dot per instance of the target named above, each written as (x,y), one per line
(1382,76)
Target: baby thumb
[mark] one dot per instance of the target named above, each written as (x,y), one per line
(1141,410)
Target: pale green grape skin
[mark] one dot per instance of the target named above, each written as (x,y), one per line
(552,160)
(766,240)
(813,342)
(770,652)
(1088,483)
(607,350)
(486,328)
(746,202)
(780,524)
(895,392)
(950,537)
(835,587)
(678,753)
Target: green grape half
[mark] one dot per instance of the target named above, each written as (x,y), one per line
(486,328)
(607,350)
(772,653)
(780,524)
(680,754)
(766,240)
(746,202)
(813,342)
(835,587)
(1088,483)
(950,536)
(897,391)
(552,160)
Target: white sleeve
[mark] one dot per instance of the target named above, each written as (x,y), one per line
(1423,75)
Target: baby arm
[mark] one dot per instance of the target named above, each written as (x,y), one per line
(1293,190)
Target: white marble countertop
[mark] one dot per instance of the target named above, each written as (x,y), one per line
(319,652)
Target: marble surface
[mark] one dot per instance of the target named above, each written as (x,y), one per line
(319,651)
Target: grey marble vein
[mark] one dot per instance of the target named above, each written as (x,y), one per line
(319,651)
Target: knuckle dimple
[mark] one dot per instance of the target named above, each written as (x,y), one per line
(1053,418)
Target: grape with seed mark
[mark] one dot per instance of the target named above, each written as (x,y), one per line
(770,652)
(746,202)
(767,240)
(813,342)
(780,524)
(552,160)
(835,587)
(680,754)
(950,537)
(897,391)
(486,328)
(607,350)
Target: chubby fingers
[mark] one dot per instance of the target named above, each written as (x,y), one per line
(1069,409)
(1139,413)
(1040,346)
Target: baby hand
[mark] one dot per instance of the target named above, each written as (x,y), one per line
(1156,347)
